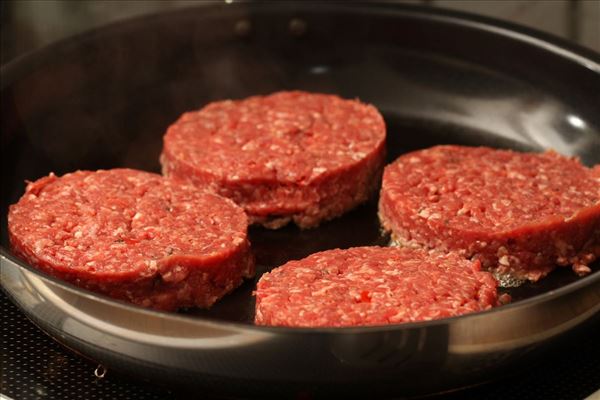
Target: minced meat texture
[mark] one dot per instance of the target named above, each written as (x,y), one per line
(372,286)
(479,188)
(101,227)
(287,137)
(483,201)
(281,155)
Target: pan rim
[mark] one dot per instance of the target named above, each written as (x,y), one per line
(205,321)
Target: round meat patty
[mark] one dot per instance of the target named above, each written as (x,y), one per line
(520,214)
(134,236)
(372,286)
(287,156)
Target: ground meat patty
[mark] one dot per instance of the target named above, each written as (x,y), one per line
(287,156)
(134,236)
(520,214)
(372,286)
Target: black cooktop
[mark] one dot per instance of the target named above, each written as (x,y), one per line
(33,366)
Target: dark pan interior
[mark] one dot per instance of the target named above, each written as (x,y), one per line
(104,99)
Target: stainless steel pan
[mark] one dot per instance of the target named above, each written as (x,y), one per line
(104,99)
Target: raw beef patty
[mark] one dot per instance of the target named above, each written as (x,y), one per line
(134,236)
(520,214)
(372,286)
(287,156)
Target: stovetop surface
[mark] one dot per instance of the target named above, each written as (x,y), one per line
(34,366)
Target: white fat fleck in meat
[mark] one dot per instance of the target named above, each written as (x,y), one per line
(502,251)
(398,316)
(324,289)
(318,170)
(358,155)
(424,213)
(152,265)
(40,244)
(463,211)
(581,269)
(248,146)
(516,175)
(433,189)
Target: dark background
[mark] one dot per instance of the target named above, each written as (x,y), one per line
(29,24)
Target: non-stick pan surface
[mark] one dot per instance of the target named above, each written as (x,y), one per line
(104,99)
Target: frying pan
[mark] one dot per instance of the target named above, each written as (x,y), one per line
(104,99)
